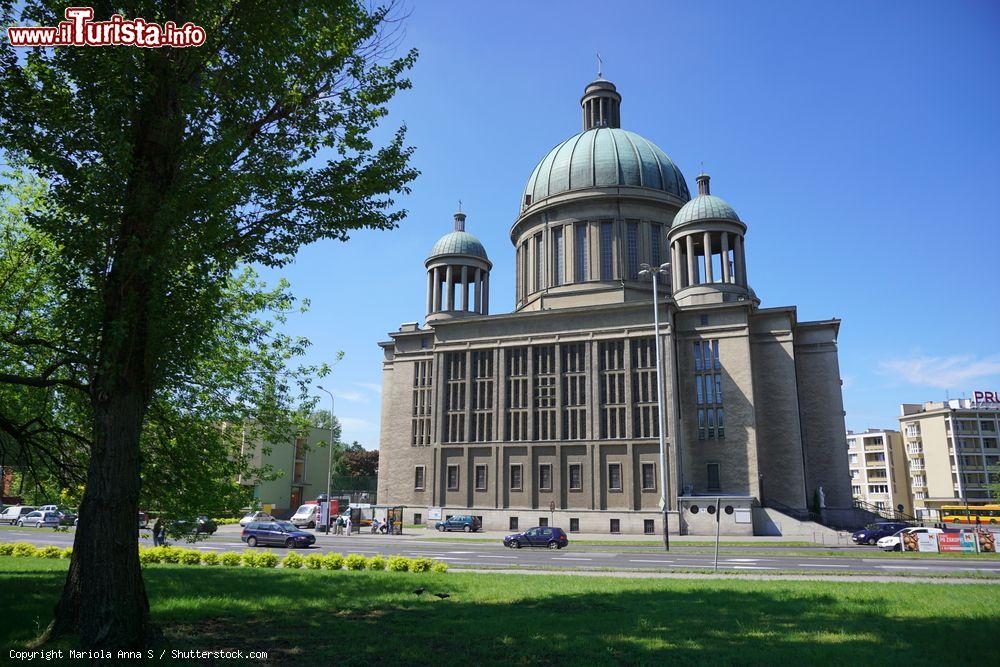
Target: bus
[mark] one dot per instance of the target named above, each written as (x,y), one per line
(987,514)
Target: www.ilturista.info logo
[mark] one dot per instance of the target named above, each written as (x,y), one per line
(79,30)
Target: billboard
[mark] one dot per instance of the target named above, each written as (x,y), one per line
(957,542)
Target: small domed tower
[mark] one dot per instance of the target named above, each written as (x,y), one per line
(706,251)
(458,260)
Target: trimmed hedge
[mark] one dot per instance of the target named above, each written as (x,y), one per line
(210,558)
(230,559)
(398,564)
(333,561)
(355,562)
(292,561)
(49,552)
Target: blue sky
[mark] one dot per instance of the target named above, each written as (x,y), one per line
(860,142)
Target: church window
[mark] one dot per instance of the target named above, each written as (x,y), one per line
(453,478)
(612,384)
(575,477)
(558,256)
(632,249)
(655,240)
(516,394)
(614,476)
(482,395)
(714,477)
(516,478)
(708,390)
(545,477)
(420,433)
(606,253)
(545,383)
(454,404)
(581,252)
(645,416)
(574,391)
(539,262)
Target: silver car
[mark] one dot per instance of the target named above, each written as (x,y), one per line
(39,519)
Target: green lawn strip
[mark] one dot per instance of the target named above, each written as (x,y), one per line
(365,618)
(633,543)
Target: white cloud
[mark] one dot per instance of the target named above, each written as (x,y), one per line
(352,396)
(370,386)
(356,424)
(942,372)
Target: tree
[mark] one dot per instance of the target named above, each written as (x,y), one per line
(165,170)
(357,461)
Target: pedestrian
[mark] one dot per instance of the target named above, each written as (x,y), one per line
(157,528)
(374,526)
(340,525)
(347,524)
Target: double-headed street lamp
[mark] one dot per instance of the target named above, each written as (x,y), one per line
(329,465)
(654,272)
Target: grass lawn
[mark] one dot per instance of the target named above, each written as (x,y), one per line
(655,544)
(367,618)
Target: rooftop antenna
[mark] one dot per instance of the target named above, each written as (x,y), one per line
(459,205)
(600,66)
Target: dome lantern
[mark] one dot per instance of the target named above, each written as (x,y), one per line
(601,105)
(457,262)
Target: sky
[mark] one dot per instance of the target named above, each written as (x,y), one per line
(860,142)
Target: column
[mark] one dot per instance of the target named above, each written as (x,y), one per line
(675,267)
(741,266)
(449,285)
(430,291)
(465,288)
(437,288)
(477,277)
(725,257)
(707,242)
(486,292)
(692,269)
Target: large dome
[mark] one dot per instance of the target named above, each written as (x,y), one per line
(604,157)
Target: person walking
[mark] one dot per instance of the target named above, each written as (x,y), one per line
(158,532)
(347,524)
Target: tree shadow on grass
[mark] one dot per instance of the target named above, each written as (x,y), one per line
(350,618)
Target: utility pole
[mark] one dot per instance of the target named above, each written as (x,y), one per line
(329,464)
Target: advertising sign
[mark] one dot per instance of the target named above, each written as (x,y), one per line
(324,513)
(919,542)
(434,513)
(956,542)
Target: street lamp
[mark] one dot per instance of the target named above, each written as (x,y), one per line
(329,464)
(654,273)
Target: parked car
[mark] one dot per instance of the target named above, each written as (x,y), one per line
(894,542)
(48,508)
(39,519)
(201,525)
(66,518)
(277,533)
(464,522)
(872,533)
(306,515)
(11,515)
(542,536)
(255,516)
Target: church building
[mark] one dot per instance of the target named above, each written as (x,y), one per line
(549,415)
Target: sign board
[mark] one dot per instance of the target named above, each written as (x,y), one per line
(324,513)
(742,515)
(957,542)
(919,542)
(434,513)
(986,397)
(552,506)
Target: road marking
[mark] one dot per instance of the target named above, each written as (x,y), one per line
(742,560)
(569,558)
(461,553)
(751,567)
(905,567)
(507,557)
(650,561)
(811,565)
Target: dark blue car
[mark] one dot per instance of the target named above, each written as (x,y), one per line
(277,533)
(542,536)
(874,532)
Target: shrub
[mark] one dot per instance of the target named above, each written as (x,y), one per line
(23,550)
(439,567)
(376,563)
(190,557)
(67,552)
(230,559)
(147,556)
(421,565)
(355,562)
(267,559)
(333,561)
(170,554)
(49,552)
(292,561)
(398,564)
(314,561)
(249,559)
(210,558)
(6,548)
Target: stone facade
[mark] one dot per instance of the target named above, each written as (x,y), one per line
(550,413)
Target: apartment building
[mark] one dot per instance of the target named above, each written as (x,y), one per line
(878,469)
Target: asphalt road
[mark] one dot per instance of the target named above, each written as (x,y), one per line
(488,554)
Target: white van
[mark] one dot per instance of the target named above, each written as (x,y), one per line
(12,515)
(306,516)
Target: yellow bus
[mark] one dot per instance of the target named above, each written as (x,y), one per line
(987,514)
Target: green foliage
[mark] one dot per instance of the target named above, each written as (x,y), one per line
(250,558)
(355,562)
(260,559)
(170,554)
(6,548)
(376,563)
(421,564)
(49,552)
(439,567)
(292,561)
(23,550)
(67,553)
(230,559)
(210,558)
(313,561)
(149,556)
(190,557)
(333,561)
(398,564)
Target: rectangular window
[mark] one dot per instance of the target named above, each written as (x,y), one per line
(713,477)
(632,249)
(649,477)
(515,477)
(543,521)
(418,519)
(606,253)
(718,388)
(539,262)
(655,241)
(648,526)
(701,424)
(616,526)
(611,376)
(482,395)
(575,477)
(574,391)
(422,407)
(418,478)
(545,477)
(558,256)
(581,252)
(720,424)
(452,478)
(512,522)
(645,418)
(454,398)
(700,388)
(545,383)
(614,476)
(574,525)
(516,394)
(697,356)
(711,423)
(709,390)
(480,478)
(715,354)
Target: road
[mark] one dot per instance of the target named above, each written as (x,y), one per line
(468,553)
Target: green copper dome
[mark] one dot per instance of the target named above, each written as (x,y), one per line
(604,157)
(705,207)
(458,243)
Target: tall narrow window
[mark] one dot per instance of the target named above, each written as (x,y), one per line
(418,478)
(632,249)
(453,478)
(714,483)
(575,477)
(482,395)
(615,476)
(708,390)
(545,477)
(574,391)
(581,252)
(720,423)
(420,434)
(655,240)
(701,424)
(611,376)
(645,418)
(539,262)
(516,394)
(515,477)
(649,477)
(606,251)
(454,405)
(480,478)
(545,380)
(558,256)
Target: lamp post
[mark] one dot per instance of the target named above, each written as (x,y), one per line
(654,272)
(329,464)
